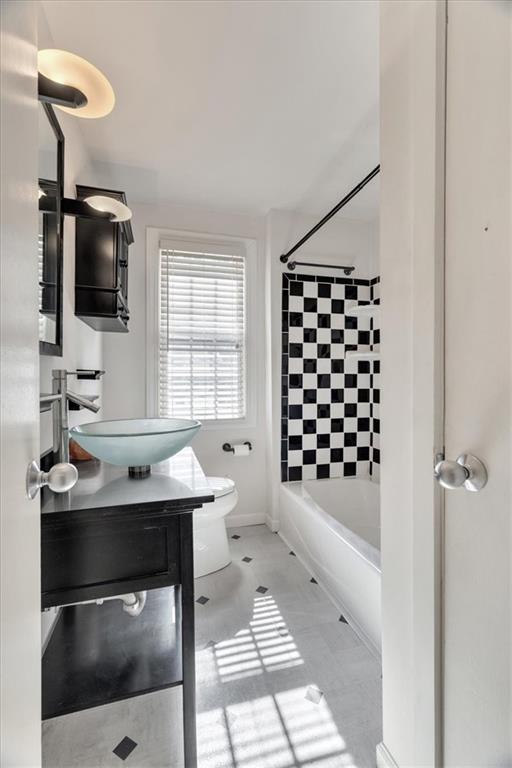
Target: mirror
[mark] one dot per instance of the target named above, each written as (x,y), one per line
(49,246)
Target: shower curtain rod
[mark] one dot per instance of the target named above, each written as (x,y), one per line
(293,264)
(353,192)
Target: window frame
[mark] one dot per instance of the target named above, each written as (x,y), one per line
(201,241)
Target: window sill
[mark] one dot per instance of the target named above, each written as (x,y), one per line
(227,424)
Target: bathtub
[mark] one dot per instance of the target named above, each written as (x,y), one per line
(333,526)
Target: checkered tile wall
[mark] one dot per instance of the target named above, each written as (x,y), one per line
(329,405)
(375,386)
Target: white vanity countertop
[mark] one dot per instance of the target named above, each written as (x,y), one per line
(173,484)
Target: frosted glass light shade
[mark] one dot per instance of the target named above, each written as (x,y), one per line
(68,69)
(105,204)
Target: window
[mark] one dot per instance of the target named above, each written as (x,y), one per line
(202,332)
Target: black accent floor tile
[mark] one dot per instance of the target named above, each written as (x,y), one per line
(235,536)
(247,559)
(342,619)
(262,590)
(292,554)
(313,580)
(202,600)
(125,748)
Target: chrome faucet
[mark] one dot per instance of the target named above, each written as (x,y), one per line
(58,401)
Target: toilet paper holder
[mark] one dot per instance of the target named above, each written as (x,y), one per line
(229,448)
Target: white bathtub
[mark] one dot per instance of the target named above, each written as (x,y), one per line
(334,528)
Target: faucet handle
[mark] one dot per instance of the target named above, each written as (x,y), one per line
(61,478)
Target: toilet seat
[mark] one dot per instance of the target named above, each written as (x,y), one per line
(221,486)
(211,548)
(226,498)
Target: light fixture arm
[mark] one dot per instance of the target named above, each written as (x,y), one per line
(81,209)
(71,207)
(52,92)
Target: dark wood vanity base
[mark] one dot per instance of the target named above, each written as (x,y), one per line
(113,535)
(99,654)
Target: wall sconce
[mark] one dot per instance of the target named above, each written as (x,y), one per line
(94,207)
(117,210)
(73,84)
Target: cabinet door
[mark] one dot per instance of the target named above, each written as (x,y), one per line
(96,245)
(123,265)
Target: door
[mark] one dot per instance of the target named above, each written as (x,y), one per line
(20,598)
(478,386)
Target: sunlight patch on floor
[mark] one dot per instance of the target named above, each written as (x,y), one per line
(274,731)
(280,730)
(265,644)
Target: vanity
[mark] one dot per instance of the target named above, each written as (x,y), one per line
(113,534)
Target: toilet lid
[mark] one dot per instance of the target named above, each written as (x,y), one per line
(221,486)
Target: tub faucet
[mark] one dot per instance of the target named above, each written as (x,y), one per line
(61,395)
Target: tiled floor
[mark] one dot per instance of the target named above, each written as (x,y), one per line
(282,682)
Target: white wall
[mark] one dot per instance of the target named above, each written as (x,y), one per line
(124,388)
(340,241)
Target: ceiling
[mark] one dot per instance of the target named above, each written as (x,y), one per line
(242,105)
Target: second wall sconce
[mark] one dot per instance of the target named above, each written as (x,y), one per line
(117,210)
(94,207)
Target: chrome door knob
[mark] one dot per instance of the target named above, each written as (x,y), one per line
(61,478)
(467,472)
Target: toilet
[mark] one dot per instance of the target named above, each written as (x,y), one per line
(211,548)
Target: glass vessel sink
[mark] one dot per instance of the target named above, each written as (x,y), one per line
(135,443)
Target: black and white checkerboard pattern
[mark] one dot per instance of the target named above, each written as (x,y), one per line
(375,387)
(327,402)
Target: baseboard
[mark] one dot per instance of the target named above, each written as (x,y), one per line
(384,757)
(272,523)
(335,601)
(237,521)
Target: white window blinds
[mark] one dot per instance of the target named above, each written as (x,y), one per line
(202,325)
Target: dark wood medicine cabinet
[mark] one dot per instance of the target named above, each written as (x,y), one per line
(101,267)
(101,248)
